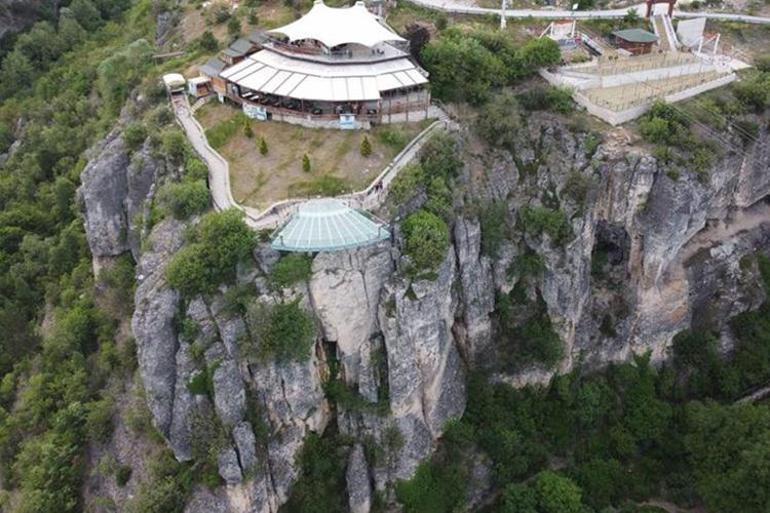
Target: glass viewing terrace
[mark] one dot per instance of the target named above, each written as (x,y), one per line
(328,225)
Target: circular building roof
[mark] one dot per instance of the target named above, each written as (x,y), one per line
(328,225)
(335,26)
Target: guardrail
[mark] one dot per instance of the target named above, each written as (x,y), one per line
(453,8)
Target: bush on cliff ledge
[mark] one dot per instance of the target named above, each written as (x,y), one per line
(426,240)
(218,243)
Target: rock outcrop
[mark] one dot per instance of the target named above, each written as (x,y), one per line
(649,254)
(115,192)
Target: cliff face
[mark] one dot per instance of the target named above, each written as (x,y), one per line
(17,15)
(650,255)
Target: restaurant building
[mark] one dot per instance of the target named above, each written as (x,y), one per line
(334,67)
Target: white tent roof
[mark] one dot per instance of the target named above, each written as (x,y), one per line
(334,26)
(272,73)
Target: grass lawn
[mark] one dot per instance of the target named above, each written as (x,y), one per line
(336,163)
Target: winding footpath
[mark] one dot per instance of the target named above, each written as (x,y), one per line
(457,7)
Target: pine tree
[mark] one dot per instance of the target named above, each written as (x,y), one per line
(262,146)
(305,163)
(366,147)
(247,131)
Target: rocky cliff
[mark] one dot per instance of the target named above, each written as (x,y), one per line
(647,255)
(17,15)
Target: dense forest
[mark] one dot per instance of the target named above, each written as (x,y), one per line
(588,442)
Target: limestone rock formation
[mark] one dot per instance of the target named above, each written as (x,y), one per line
(358,485)
(116,187)
(649,254)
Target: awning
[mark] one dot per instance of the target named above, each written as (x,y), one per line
(272,73)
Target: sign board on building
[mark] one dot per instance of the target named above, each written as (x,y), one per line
(348,121)
(257,112)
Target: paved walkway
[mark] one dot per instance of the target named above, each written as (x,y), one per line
(457,7)
(280,212)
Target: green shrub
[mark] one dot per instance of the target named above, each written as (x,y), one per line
(305,163)
(186,199)
(99,419)
(494,227)
(426,239)
(202,382)
(174,145)
(500,121)
(134,136)
(551,98)
(754,91)
(392,137)
(439,157)
(320,487)
(219,242)
(576,188)
(284,332)
(221,133)
(465,67)
(409,181)
(195,169)
(291,269)
(207,42)
(123,475)
(539,220)
(234,26)
(188,271)
(434,488)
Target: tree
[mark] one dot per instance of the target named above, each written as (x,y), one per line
(461,69)
(631,19)
(500,121)
(134,136)
(188,271)
(366,147)
(208,42)
(218,243)
(234,26)
(538,53)
(16,74)
(262,146)
(438,157)
(174,145)
(305,163)
(84,12)
(247,130)
(729,450)
(426,239)
(557,494)
(519,498)
(70,32)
